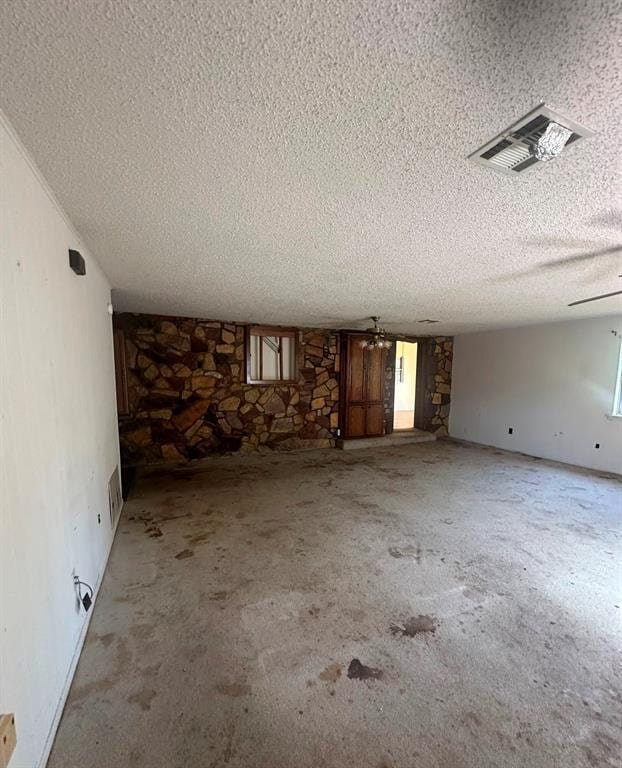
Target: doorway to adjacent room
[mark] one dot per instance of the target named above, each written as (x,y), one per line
(405,385)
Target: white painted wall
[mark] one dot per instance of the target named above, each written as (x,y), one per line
(58,447)
(553,383)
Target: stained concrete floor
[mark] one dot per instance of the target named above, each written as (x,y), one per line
(479,592)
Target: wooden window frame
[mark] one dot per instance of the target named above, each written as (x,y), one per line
(270,330)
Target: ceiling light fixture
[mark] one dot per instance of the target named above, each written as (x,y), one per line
(378,338)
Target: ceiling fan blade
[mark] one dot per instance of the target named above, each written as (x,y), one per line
(339,322)
(561,242)
(581,257)
(595,298)
(611,219)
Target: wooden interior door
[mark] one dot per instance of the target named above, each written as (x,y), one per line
(364,391)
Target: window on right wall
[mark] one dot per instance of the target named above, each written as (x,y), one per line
(617,397)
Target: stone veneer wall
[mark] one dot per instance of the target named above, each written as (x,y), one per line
(188,395)
(438,358)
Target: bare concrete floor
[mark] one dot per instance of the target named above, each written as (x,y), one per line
(478,591)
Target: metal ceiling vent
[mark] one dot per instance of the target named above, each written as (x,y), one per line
(537,137)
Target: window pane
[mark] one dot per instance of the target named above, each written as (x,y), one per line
(270,358)
(289,358)
(255,373)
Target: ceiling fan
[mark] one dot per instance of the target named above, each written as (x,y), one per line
(374,331)
(589,256)
(595,298)
(355,325)
(576,259)
(377,337)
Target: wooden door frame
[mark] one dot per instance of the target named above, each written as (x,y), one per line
(420,385)
(343,381)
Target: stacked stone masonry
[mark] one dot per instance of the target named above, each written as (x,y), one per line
(437,366)
(188,395)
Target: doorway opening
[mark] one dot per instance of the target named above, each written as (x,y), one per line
(405,385)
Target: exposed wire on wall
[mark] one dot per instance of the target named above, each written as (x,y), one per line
(87,598)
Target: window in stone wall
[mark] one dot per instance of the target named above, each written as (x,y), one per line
(271,355)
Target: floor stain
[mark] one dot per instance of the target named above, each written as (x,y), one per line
(359,671)
(332,673)
(397,475)
(143,699)
(221,595)
(184,554)
(472,718)
(233,689)
(366,505)
(151,670)
(168,518)
(229,750)
(407,551)
(416,625)
(105,640)
(269,533)
(122,661)
(142,631)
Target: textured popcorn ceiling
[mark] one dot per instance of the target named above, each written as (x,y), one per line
(305,162)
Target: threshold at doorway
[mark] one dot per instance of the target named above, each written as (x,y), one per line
(402,437)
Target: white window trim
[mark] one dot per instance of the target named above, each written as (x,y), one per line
(616,407)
